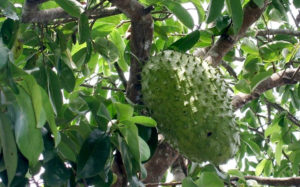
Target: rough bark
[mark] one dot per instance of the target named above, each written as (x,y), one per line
(162,159)
(277,31)
(286,181)
(226,42)
(289,76)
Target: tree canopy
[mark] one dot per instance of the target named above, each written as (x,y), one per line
(71,107)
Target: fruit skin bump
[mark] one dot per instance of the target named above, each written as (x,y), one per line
(190,102)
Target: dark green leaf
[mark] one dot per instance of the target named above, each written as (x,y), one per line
(66,76)
(107,49)
(72,7)
(9,31)
(83,29)
(28,136)
(187,42)
(188,182)
(235,8)
(214,10)
(9,147)
(3,56)
(54,91)
(181,13)
(130,134)
(259,3)
(296,3)
(56,173)
(93,154)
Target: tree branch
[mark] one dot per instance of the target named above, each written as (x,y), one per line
(286,181)
(292,118)
(281,78)
(31,13)
(225,43)
(277,31)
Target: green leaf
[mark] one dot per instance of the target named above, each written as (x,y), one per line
(278,152)
(107,49)
(83,29)
(260,167)
(66,76)
(56,173)
(54,91)
(249,46)
(143,120)
(237,14)
(144,150)
(259,77)
(268,168)
(243,86)
(34,91)
(236,172)
(72,7)
(214,10)
(119,42)
(188,182)
(3,56)
(260,3)
(9,32)
(181,13)
(93,154)
(28,137)
(8,9)
(8,146)
(296,3)
(209,179)
(187,42)
(252,145)
(124,111)
(130,134)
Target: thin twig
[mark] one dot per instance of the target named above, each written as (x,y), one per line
(121,75)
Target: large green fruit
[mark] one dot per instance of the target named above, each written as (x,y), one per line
(190,101)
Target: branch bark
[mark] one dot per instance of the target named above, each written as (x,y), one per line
(225,43)
(289,76)
(286,181)
(31,13)
(277,31)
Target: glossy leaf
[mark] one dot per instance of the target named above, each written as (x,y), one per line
(124,111)
(209,179)
(107,49)
(188,182)
(181,13)
(83,29)
(93,154)
(237,14)
(8,144)
(187,42)
(72,7)
(54,91)
(28,136)
(66,76)
(143,120)
(214,10)
(260,167)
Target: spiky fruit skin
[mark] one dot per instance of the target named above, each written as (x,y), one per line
(191,104)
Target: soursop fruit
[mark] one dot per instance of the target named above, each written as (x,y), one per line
(190,101)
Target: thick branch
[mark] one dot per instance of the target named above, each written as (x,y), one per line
(226,43)
(278,31)
(162,159)
(289,76)
(286,181)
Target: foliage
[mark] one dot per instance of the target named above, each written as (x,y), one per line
(63,107)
